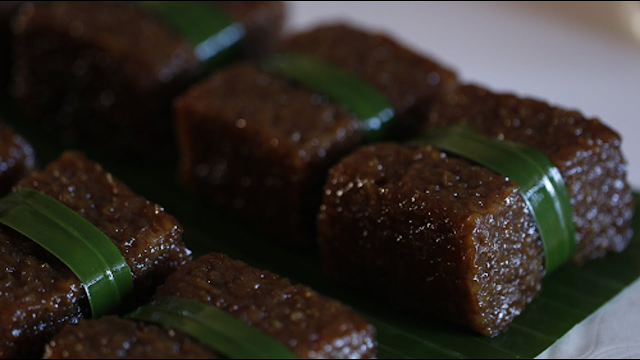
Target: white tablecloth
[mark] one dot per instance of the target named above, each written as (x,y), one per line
(577,55)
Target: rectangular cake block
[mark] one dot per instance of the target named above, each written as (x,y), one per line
(409,80)
(259,144)
(586,151)
(38,294)
(111,337)
(7,9)
(310,325)
(432,233)
(103,75)
(17,158)
(435,233)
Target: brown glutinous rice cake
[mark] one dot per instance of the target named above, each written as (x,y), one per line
(38,293)
(311,325)
(435,233)
(102,75)
(261,144)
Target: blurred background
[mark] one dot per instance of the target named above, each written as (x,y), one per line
(583,55)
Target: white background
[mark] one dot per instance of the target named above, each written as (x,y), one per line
(577,55)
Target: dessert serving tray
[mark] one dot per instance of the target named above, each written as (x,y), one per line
(569,295)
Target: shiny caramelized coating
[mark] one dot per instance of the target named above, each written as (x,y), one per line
(103,74)
(587,152)
(127,339)
(17,159)
(310,325)
(148,237)
(257,144)
(409,80)
(38,294)
(262,145)
(432,233)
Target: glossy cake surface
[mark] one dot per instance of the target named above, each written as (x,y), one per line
(586,151)
(38,294)
(431,232)
(310,325)
(261,144)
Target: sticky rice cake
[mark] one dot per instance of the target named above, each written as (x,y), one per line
(260,144)
(436,234)
(432,233)
(119,66)
(312,326)
(38,294)
(586,151)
